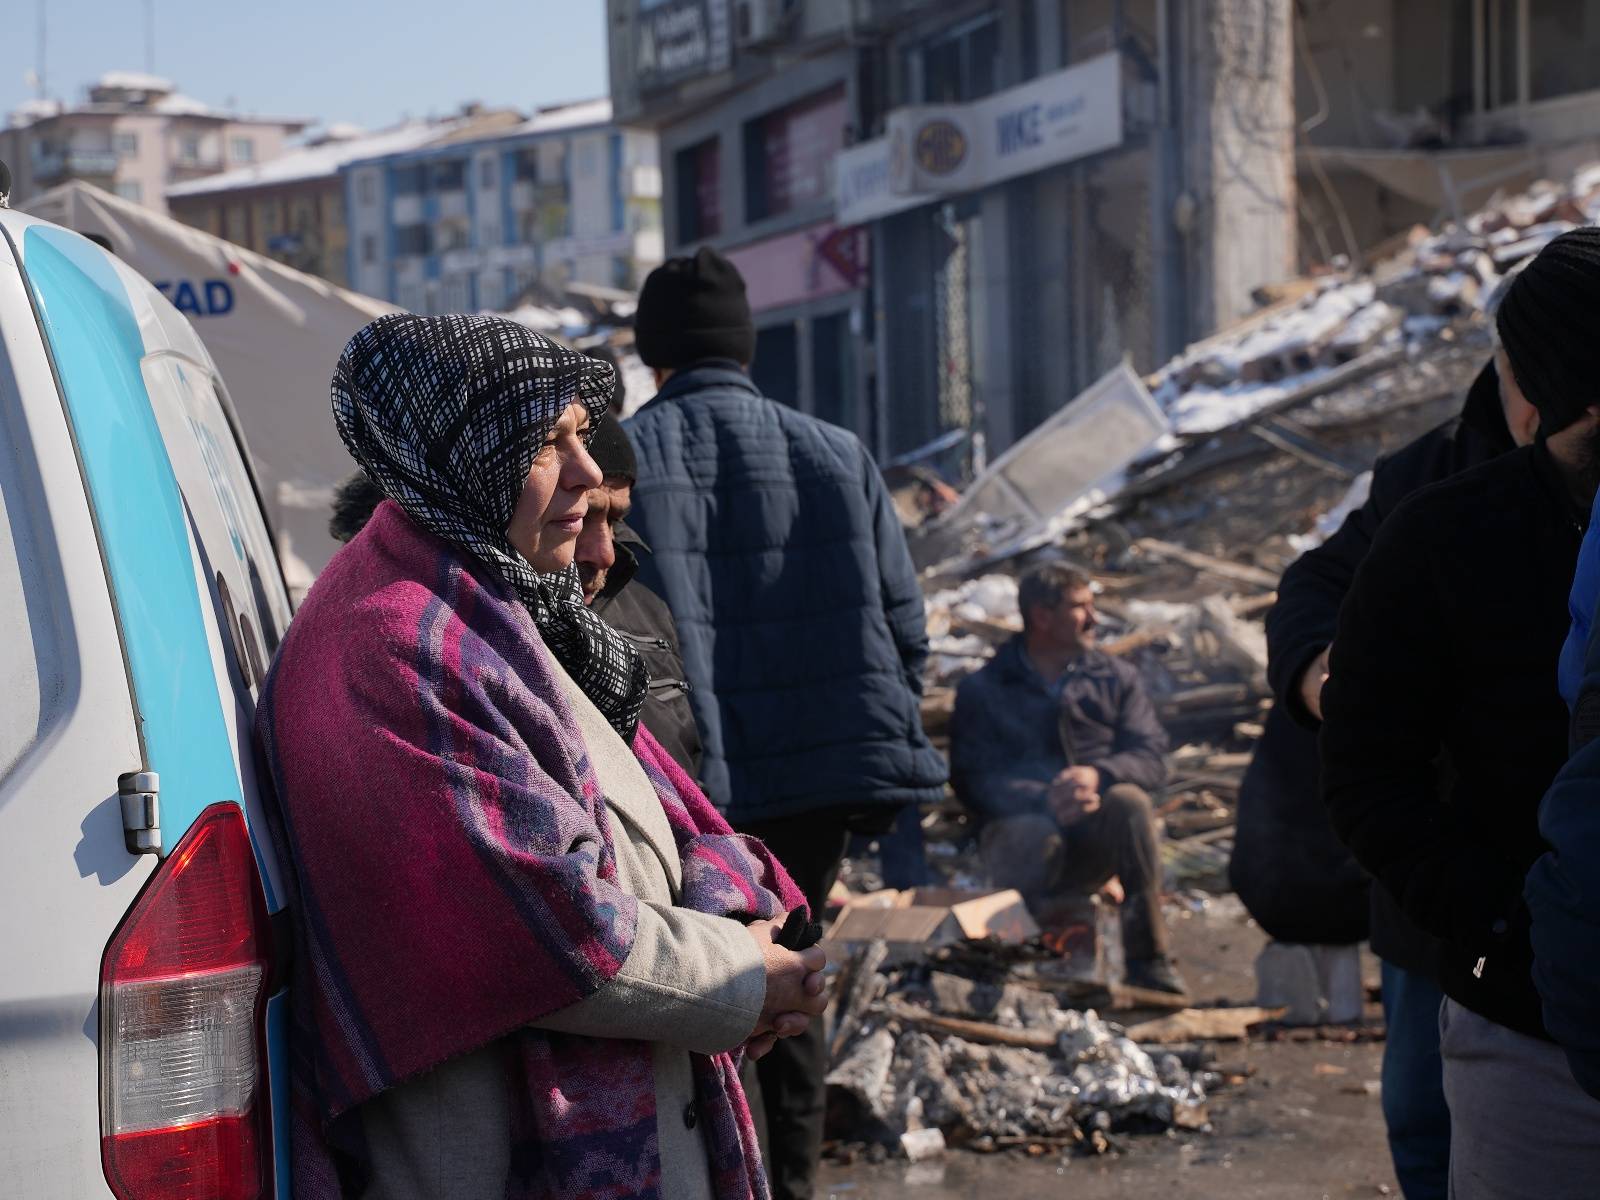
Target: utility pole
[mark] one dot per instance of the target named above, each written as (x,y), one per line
(38,67)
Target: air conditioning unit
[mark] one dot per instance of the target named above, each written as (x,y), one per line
(758,23)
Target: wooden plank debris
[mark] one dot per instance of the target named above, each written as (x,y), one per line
(1254,576)
(1202,1024)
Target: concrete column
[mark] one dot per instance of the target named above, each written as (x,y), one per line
(1239,157)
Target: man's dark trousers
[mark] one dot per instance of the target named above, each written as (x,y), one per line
(1413,1085)
(1033,854)
(793,1095)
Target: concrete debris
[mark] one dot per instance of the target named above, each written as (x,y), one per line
(976,1059)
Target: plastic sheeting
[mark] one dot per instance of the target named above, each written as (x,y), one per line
(275,334)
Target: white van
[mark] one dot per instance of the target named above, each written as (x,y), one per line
(143,947)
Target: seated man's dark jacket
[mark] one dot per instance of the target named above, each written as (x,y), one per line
(1006,741)
(776,546)
(1288,867)
(641,616)
(1447,644)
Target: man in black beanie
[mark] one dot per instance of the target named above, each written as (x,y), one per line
(781,556)
(608,553)
(1443,728)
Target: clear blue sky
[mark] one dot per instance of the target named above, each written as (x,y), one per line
(367,61)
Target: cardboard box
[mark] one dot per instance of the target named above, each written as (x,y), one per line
(923,918)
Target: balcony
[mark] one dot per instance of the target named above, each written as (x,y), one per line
(75,164)
(406,209)
(452,204)
(179,170)
(645,183)
(526,194)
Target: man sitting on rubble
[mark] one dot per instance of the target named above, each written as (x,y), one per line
(1055,747)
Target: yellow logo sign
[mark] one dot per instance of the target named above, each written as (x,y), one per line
(941,147)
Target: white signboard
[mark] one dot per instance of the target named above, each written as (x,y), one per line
(936,150)
(863,188)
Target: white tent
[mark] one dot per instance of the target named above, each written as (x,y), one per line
(275,334)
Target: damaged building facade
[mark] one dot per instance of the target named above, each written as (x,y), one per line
(954,217)
(1419,111)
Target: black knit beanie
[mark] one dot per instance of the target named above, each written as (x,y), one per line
(1548,321)
(691,309)
(612,451)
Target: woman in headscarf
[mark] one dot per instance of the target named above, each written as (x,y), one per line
(528,949)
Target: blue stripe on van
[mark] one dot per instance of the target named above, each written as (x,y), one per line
(95,339)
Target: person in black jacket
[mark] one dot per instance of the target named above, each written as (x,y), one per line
(608,554)
(1288,867)
(1443,727)
(1055,747)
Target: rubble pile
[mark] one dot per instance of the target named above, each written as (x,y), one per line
(993,1064)
(1271,431)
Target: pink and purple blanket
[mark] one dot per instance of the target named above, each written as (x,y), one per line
(455,879)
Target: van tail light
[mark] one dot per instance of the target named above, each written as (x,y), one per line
(183,987)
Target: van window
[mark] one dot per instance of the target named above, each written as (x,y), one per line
(234,533)
(37,660)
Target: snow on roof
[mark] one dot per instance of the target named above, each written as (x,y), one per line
(135,81)
(318,161)
(30,111)
(176,104)
(565,116)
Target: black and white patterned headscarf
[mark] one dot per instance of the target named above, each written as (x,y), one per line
(446,415)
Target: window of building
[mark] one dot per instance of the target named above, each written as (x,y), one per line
(1563,47)
(412,239)
(125,144)
(699,186)
(369,249)
(776,370)
(449,176)
(622,273)
(189,148)
(788,154)
(489,232)
(956,66)
(452,235)
(366,189)
(486,173)
(456,298)
(131,190)
(407,181)
(527,166)
(833,379)
(242,149)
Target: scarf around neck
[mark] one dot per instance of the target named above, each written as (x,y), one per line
(446,414)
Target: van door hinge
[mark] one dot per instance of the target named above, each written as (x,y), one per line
(140,793)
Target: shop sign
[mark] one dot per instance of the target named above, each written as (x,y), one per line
(934,150)
(673,41)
